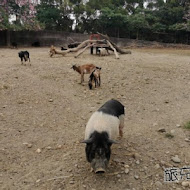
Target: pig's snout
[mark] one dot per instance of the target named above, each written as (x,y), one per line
(100,170)
(99,165)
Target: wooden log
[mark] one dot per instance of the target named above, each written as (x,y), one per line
(116,54)
(79,53)
(83,45)
(114,45)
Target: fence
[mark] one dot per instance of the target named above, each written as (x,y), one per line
(58,38)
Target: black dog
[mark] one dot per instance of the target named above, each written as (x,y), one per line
(14,45)
(24,55)
(62,48)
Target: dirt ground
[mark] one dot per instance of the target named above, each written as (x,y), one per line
(44,110)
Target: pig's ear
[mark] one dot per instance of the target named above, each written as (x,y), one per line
(88,141)
(113,142)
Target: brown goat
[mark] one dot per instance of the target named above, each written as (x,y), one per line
(94,78)
(84,69)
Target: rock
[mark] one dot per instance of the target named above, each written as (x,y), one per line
(59,146)
(176,159)
(50,100)
(38,150)
(172,131)
(71,182)
(118,175)
(37,181)
(136,177)
(126,166)
(137,162)
(29,145)
(187,140)
(155,124)
(126,170)
(20,102)
(158,183)
(48,147)
(178,125)
(162,130)
(157,166)
(136,156)
(185,184)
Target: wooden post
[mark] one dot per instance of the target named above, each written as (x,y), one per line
(91,50)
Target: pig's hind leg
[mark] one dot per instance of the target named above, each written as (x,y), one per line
(121,125)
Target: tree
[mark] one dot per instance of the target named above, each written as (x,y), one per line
(24,10)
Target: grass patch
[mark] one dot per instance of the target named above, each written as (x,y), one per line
(169,135)
(187,125)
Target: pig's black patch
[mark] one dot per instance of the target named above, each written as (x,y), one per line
(112,107)
(98,146)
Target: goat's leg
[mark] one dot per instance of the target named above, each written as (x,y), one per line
(99,81)
(95,80)
(29,60)
(82,78)
(21,60)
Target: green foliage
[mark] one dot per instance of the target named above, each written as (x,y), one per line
(187,125)
(52,17)
(114,17)
(169,135)
(4,19)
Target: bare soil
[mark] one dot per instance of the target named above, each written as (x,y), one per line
(44,110)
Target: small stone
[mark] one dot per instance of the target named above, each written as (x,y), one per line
(38,150)
(158,183)
(37,181)
(29,145)
(161,130)
(136,177)
(20,102)
(126,170)
(157,166)
(178,125)
(71,182)
(126,166)
(59,146)
(155,124)
(137,162)
(136,156)
(176,159)
(118,175)
(172,131)
(187,140)
(50,100)
(48,147)
(185,184)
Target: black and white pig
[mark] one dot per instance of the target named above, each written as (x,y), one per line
(102,129)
